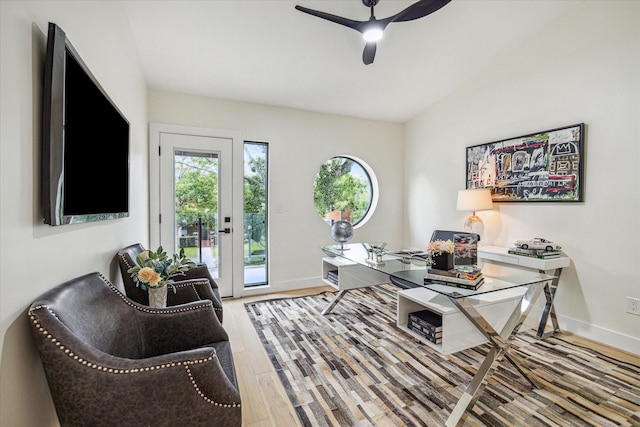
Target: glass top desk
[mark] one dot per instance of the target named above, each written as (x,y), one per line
(407,268)
(409,272)
(357,265)
(390,258)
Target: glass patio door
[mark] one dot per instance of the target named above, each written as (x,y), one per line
(195,202)
(255,214)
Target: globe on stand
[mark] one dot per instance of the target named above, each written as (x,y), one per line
(341,232)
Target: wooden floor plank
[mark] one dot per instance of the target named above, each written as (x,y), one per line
(264,400)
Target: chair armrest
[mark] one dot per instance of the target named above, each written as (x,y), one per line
(178,328)
(211,379)
(202,287)
(190,290)
(196,376)
(200,271)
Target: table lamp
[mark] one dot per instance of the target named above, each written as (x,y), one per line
(477,199)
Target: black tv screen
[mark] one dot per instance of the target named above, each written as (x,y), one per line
(85,158)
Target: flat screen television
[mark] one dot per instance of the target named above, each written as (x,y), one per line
(85,141)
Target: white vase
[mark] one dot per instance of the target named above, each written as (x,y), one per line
(158,297)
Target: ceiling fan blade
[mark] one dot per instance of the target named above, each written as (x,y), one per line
(418,10)
(356,25)
(369,53)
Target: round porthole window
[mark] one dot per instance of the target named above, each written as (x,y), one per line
(346,189)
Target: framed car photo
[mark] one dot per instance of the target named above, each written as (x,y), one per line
(544,166)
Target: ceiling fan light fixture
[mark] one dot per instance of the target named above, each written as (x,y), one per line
(372,30)
(372,34)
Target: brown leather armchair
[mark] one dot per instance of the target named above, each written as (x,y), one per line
(112,362)
(196,284)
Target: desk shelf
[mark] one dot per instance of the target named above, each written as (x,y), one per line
(351,275)
(458,333)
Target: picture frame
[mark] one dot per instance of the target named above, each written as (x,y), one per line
(544,166)
(465,248)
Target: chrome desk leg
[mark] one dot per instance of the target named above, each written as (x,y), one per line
(549,293)
(378,288)
(500,345)
(334,302)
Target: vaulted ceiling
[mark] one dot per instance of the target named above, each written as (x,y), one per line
(267,52)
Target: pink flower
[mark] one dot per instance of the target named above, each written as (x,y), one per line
(440,246)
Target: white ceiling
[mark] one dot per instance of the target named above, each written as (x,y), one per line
(265,51)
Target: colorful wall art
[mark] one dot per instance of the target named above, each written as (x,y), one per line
(540,167)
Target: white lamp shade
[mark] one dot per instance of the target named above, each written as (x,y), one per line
(477,199)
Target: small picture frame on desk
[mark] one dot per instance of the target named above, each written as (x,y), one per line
(465,249)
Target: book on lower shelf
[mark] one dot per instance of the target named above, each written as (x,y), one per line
(427,324)
(428,319)
(426,330)
(434,338)
(533,253)
(332,276)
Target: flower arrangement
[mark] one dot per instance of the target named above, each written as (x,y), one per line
(437,248)
(156,269)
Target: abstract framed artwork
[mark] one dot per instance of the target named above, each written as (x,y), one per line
(544,166)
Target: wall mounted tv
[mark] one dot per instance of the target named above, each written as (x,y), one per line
(85,142)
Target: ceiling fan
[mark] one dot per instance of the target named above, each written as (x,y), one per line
(373,29)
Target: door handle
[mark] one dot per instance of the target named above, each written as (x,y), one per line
(226,230)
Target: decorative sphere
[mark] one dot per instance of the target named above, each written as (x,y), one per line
(341,231)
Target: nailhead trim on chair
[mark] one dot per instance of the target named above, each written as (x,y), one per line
(167,310)
(195,386)
(204,282)
(124,258)
(88,364)
(75,357)
(91,365)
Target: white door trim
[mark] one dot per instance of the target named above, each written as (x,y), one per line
(237,193)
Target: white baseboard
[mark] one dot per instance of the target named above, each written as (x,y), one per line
(289,285)
(603,335)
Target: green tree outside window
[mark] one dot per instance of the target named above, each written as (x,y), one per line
(342,190)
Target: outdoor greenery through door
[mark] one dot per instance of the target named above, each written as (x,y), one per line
(255,213)
(196,194)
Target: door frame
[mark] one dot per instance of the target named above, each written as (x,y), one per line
(237,194)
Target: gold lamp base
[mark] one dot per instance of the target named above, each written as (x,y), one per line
(471,221)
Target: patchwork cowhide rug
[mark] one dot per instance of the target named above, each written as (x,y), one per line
(354,367)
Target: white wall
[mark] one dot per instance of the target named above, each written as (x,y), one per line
(35,257)
(299,142)
(583,68)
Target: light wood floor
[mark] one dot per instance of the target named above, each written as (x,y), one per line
(264,401)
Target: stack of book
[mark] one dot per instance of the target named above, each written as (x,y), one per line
(535,253)
(332,276)
(427,324)
(467,277)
